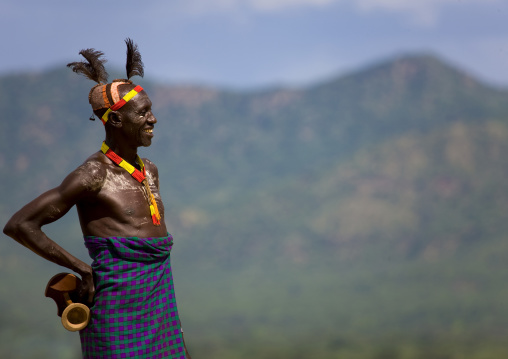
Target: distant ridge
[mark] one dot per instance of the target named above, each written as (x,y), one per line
(280,131)
(407,66)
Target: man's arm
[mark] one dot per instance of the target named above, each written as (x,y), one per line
(25,225)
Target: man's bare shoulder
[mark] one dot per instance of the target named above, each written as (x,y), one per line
(150,166)
(91,174)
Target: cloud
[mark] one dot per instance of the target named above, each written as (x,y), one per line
(201,6)
(423,12)
(420,12)
(277,5)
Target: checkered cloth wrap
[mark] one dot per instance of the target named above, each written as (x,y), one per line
(134,314)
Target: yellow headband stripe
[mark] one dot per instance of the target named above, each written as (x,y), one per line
(122,102)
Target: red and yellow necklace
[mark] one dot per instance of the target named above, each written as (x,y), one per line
(140,176)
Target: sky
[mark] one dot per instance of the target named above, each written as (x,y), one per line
(249,44)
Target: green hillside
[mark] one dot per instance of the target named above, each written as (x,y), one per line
(363,217)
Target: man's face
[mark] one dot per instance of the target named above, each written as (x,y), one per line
(138,120)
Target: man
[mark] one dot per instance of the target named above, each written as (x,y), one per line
(129,286)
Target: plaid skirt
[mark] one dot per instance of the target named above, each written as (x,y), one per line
(134,314)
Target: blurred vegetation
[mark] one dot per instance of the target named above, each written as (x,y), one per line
(364,217)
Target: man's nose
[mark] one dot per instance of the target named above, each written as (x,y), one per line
(151,118)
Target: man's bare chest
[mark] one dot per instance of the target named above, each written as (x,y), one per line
(126,195)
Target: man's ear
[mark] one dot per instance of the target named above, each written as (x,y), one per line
(114,118)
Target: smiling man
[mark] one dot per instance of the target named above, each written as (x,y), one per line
(129,286)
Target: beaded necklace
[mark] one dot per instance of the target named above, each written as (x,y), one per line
(140,176)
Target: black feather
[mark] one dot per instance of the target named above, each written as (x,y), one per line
(134,65)
(93,68)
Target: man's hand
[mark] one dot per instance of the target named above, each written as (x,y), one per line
(86,290)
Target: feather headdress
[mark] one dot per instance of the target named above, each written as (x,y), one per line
(104,96)
(134,65)
(93,68)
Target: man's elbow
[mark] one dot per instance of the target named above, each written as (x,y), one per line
(12,228)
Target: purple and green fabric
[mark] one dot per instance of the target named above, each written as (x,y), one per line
(134,313)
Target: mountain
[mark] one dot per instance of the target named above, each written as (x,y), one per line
(361,217)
